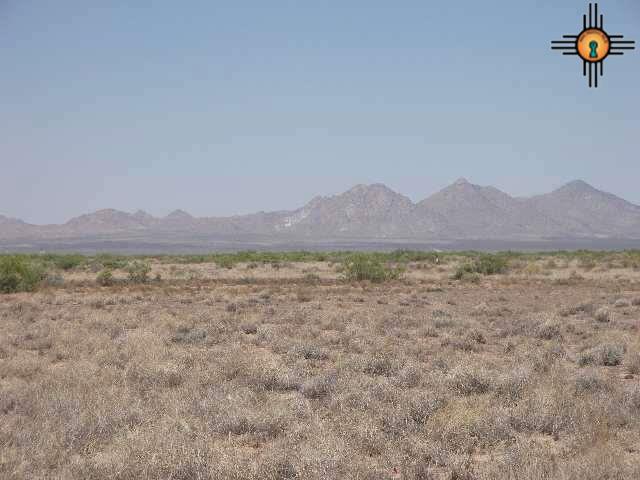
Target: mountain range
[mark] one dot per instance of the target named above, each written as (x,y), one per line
(461,211)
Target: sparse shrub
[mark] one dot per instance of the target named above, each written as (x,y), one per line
(545,360)
(189,335)
(482,265)
(249,328)
(461,473)
(239,422)
(477,336)
(468,277)
(590,382)
(568,311)
(68,262)
(633,400)
(18,275)
(622,303)
(550,264)
(53,280)
(429,332)
(304,295)
(443,322)
(588,357)
(409,376)
(440,314)
(147,378)
(273,380)
(490,265)
(105,278)
(587,264)
(311,352)
(248,280)
(608,355)
(278,469)
(636,302)
(633,364)
(422,406)
(311,279)
(512,385)
(464,345)
(418,471)
(532,268)
(603,315)
(111,262)
(588,308)
(465,380)
(548,330)
(574,277)
(380,365)
(363,267)
(318,387)
(138,272)
(225,262)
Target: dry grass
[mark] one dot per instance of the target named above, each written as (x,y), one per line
(283,377)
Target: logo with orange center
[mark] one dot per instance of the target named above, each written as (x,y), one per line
(593,45)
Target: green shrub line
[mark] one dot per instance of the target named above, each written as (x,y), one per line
(115,261)
(138,271)
(18,274)
(361,267)
(105,278)
(482,265)
(25,272)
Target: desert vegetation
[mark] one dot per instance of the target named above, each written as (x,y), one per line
(18,274)
(308,365)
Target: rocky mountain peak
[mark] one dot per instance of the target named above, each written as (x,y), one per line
(367,212)
(178,215)
(142,214)
(577,186)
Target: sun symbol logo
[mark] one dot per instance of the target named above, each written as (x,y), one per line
(593,45)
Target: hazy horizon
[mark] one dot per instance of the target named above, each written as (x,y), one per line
(162,214)
(230,108)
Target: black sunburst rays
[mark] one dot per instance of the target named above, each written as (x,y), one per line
(586,44)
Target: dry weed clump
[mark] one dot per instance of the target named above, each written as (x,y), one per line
(549,330)
(590,382)
(603,315)
(622,303)
(319,387)
(633,363)
(311,352)
(608,355)
(304,295)
(512,386)
(469,380)
(587,308)
(189,335)
(249,328)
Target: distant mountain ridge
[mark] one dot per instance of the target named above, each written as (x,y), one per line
(461,211)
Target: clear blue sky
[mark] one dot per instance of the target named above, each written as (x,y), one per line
(223,107)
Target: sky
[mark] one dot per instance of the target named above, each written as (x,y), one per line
(228,107)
